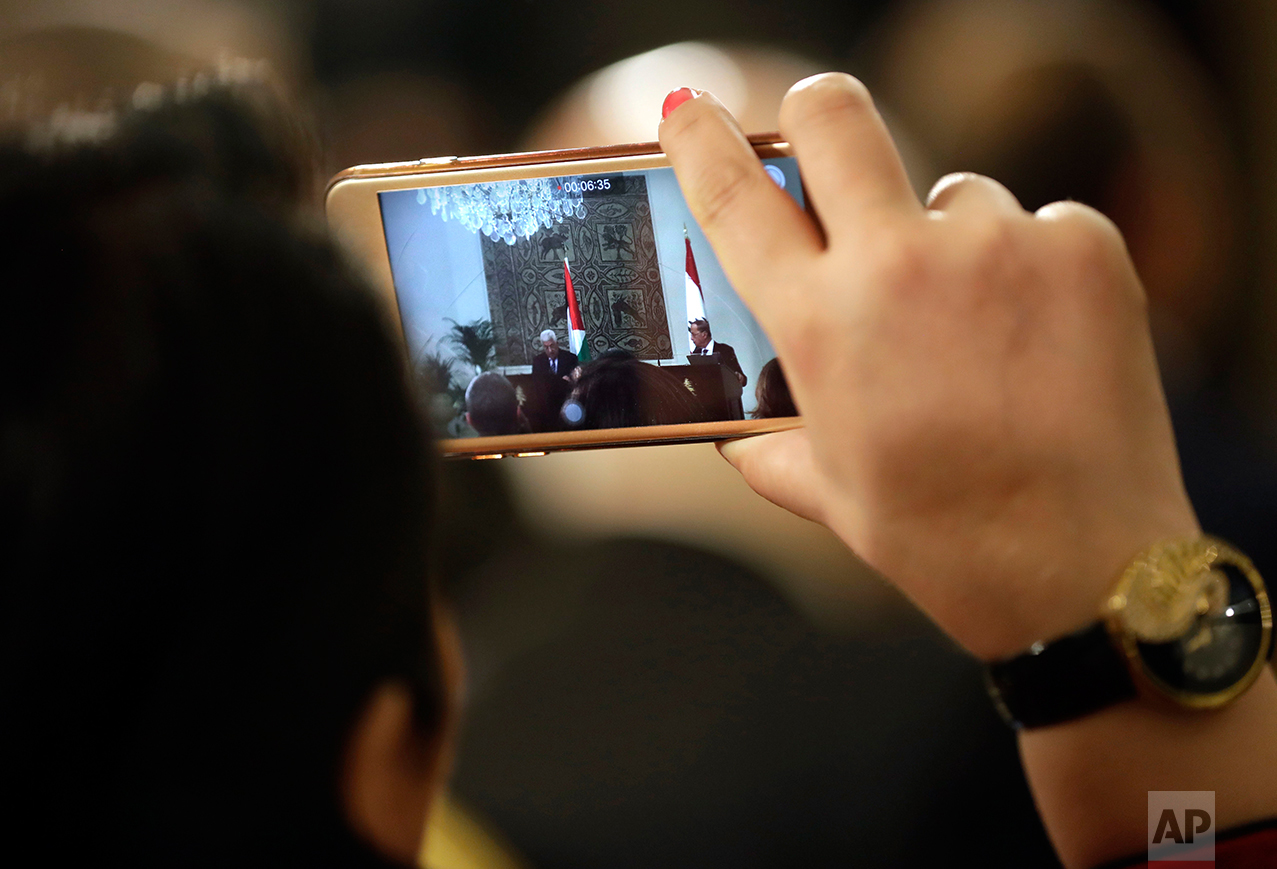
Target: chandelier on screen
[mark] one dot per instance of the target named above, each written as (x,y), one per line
(505,210)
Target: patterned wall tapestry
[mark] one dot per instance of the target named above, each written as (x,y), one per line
(614,272)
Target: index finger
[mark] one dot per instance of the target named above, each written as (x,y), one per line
(753,225)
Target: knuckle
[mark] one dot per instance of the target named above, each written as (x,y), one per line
(987,193)
(1083,226)
(1089,237)
(947,186)
(1091,248)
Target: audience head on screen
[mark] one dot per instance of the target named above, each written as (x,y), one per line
(617,390)
(772,393)
(219,494)
(492,405)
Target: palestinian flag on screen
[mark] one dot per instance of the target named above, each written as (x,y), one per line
(576,325)
(695,298)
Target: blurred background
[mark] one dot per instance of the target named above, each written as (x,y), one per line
(663,669)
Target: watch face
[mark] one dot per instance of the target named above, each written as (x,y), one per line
(1221,644)
(1170,588)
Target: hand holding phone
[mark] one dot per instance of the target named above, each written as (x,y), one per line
(974,378)
(984,425)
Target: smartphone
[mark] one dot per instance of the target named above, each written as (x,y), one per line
(562,300)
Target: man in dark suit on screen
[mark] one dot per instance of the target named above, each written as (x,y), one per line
(553,373)
(554,361)
(707,346)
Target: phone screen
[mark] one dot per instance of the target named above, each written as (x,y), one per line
(571,303)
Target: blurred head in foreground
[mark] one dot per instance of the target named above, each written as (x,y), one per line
(215,614)
(1093,100)
(614,105)
(772,393)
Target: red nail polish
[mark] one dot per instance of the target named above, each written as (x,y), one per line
(676,99)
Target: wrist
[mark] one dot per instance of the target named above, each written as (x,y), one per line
(1069,581)
(1187,624)
(1091,777)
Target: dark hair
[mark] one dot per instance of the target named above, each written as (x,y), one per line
(219,496)
(700,323)
(772,393)
(492,404)
(618,391)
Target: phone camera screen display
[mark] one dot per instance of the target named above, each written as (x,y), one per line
(574,302)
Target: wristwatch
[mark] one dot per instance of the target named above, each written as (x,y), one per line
(1189,623)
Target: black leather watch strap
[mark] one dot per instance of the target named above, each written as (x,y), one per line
(1061,680)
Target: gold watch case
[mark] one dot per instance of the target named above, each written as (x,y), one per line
(1193,620)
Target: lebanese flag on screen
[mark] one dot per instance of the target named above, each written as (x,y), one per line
(576,325)
(695,298)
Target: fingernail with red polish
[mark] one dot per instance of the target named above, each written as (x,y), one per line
(676,99)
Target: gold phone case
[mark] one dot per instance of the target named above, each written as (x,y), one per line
(354,214)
